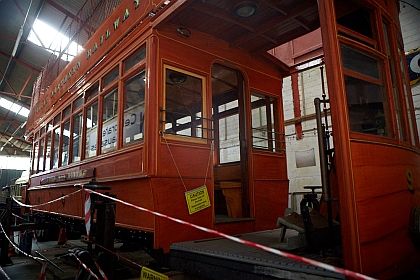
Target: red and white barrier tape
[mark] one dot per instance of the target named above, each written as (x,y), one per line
(48,202)
(43,275)
(235,239)
(4,273)
(44,262)
(85,267)
(246,242)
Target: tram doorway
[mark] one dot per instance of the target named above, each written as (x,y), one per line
(231,180)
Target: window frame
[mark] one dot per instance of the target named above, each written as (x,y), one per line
(206,122)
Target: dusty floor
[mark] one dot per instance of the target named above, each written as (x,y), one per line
(65,267)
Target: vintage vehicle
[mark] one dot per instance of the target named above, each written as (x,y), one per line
(170,96)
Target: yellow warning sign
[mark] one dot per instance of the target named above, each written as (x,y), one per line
(197,199)
(148,274)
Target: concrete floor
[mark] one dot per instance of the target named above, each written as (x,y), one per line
(24,267)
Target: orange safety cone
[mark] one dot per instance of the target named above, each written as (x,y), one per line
(62,236)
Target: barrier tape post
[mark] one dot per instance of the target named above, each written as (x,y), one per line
(88,213)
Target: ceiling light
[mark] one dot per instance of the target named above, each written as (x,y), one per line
(177,78)
(246,9)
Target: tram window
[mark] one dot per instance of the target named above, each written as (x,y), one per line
(77,132)
(395,88)
(41,155)
(49,126)
(366,95)
(229,143)
(110,77)
(366,106)
(77,103)
(406,87)
(91,130)
(35,159)
(43,130)
(65,143)
(134,109)
(55,154)
(264,123)
(57,119)
(134,59)
(183,104)
(354,17)
(92,92)
(359,62)
(48,151)
(66,112)
(109,122)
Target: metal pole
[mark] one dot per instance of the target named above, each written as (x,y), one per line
(326,191)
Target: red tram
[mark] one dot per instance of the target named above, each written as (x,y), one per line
(169,96)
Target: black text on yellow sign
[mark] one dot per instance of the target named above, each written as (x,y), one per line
(148,274)
(197,199)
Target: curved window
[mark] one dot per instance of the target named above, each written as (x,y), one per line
(366,95)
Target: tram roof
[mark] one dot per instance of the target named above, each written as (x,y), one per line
(271,32)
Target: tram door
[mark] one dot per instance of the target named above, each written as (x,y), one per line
(230,145)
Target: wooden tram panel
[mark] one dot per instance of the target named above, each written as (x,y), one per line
(145,174)
(370,169)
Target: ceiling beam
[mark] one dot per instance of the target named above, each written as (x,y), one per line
(20,62)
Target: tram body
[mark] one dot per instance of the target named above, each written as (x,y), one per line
(151,104)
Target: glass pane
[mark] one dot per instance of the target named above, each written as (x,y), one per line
(365,102)
(92,92)
(264,135)
(134,59)
(66,144)
(109,122)
(407,94)
(48,152)
(77,103)
(229,139)
(354,17)
(395,88)
(49,126)
(66,112)
(110,77)
(184,102)
(57,119)
(359,62)
(35,159)
(41,155)
(56,146)
(91,130)
(134,109)
(77,132)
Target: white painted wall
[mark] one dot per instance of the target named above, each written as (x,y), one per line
(309,88)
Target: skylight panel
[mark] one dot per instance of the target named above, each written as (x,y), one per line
(23,112)
(14,107)
(53,41)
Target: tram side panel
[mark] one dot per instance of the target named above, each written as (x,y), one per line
(271,187)
(122,172)
(384,203)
